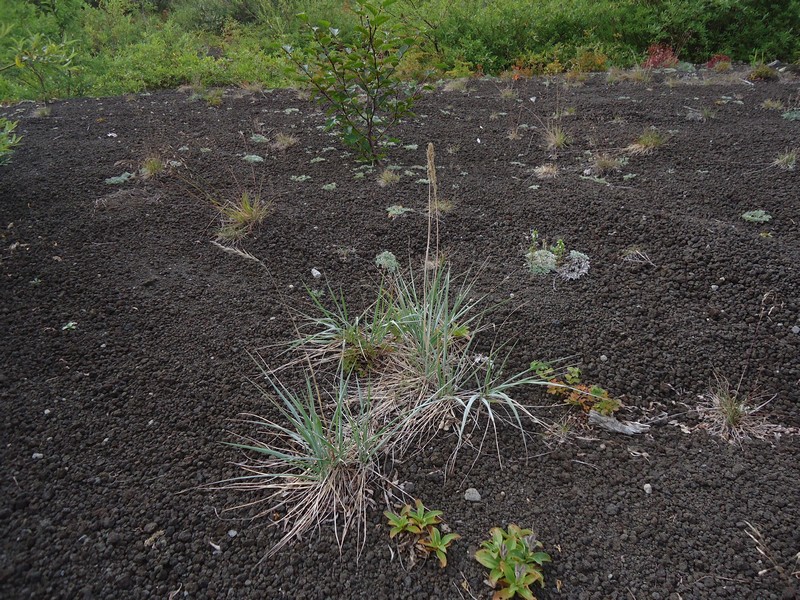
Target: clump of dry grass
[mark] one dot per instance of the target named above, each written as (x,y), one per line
(728,413)
(514,134)
(605,163)
(635,75)
(772,104)
(555,136)
(647,142)
(456,85)
(546,171)
(284,141)
(508,93)
(388,177)
(786,161)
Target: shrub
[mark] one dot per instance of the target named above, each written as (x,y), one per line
(8,140)
(717,59)
(358,78)
(660,56)
(45,65)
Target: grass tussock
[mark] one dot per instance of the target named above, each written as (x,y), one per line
(241,216)
(284,141)
(647,142)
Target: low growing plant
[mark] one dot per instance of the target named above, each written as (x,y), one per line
(756,216)
(786,161)
(514,559)
(568,385)
(543,259)
(357,78)
(416,529)
(43,64)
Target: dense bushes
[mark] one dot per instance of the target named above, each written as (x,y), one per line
(128,45)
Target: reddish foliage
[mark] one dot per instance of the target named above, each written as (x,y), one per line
(660,56)
(716,59)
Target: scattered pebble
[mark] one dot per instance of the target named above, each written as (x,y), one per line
(472,495)
(714,288)
(316,274)
(37,456)
(232,533)
(648,489)
(603,358)
(795,329)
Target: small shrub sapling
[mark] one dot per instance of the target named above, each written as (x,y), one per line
(416,529)
(358,78)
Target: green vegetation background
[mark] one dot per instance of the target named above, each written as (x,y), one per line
(132,45)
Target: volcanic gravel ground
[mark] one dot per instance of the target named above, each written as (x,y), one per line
(110,424)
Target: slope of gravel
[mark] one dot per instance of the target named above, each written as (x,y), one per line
(110,426)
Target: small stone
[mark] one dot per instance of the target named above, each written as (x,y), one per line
(795,330)
(232,533)
(316,274)
(472,495)
(37,456)
(603,358)
(612,510)
(714,288)
(46,411)
(150,527)
(648,489)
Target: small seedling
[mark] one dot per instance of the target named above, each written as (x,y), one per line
(757,216)
(514,134)
(786,161)
(416,528)
(257,138)
(568,384)
(70,326)
(514,560)
(253,158)
(329,187)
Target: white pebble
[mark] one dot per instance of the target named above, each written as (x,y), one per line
(648,489)
(232,533)
(603,358)
(37,456)
(316,274)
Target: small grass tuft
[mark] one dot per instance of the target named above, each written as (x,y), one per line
(605,163)
(456,85)
(647,142)
(508,93)
(388,177)
(763,73)
(284,141)
(731,415)
(546,171)
(555,136)
(241,216)
(151,167)
(772,104)
(786,161)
